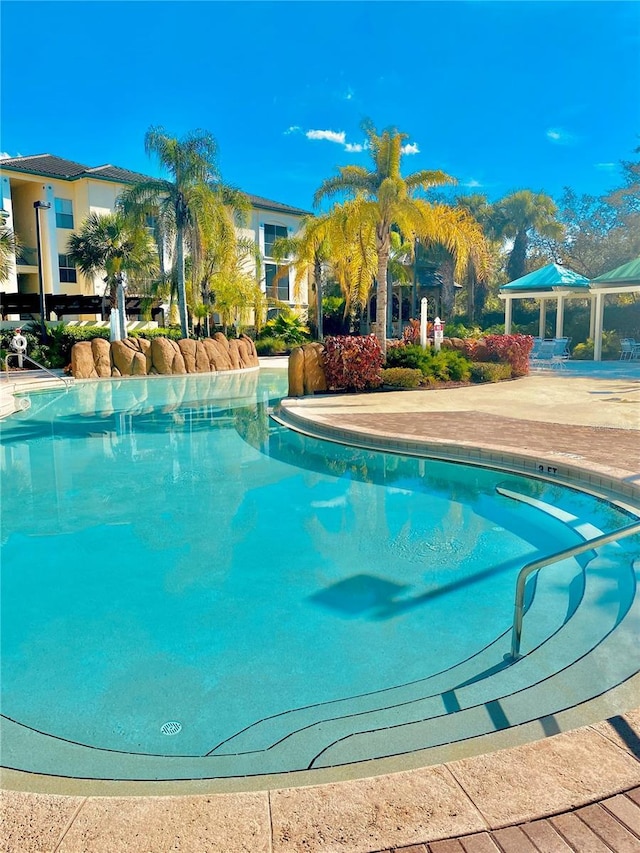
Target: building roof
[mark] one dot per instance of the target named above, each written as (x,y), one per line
(267,204)
(628,273)
(50,166)
(546,278)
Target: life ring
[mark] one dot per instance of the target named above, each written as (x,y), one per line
(19,343)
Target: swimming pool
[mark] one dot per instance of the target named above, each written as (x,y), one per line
(191,591)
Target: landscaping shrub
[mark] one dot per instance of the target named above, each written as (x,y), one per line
(513,349)
(288,327)
(270,346)
(402,377)
(352,363)
(412,356)
(488,371)
(444,365)
(174,333)
(610,347)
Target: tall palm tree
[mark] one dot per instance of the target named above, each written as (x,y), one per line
(519,215)
(339,241)
(110,244)
(184,203)
(386,199)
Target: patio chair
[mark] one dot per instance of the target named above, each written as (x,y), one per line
(629,349)
(562,347)
(535,349)
(552,353)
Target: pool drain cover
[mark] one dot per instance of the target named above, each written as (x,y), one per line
(171,728)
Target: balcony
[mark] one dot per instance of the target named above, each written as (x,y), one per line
(27,256)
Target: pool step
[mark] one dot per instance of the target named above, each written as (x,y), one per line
(591,624)
(551,612)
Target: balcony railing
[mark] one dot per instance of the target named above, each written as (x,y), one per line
(27,256)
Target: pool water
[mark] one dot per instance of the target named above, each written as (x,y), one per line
(178,570)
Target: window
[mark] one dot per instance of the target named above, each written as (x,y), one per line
(150,221)
(64,213)
(271,234)
(282,292)
(67,270)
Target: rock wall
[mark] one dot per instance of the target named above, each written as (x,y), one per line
(306,370)
(98,358)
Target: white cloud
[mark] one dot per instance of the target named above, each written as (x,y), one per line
(353,147)
(472,184)
(607,167)
(560,136)
(349,94)
(293,129)
(329,135)
(410,148)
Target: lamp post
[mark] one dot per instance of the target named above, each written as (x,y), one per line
(41,205)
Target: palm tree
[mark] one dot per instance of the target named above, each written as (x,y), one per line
(339,242)
(519,215)
(183,204)
(386,200)
(110,244)
(8,248)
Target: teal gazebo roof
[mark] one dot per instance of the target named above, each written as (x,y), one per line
(546,278)
(628,273)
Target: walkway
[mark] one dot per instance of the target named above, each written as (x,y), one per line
(578,790)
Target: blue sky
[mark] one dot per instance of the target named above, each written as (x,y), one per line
(501,95)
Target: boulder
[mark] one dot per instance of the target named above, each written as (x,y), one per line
(82,364)
(218,354)
(202,359)
(138,365)
(162,355)
(145,349)
(187,347)
(296,373)
(314,375)
(234,353)
(101,351)
(123,354)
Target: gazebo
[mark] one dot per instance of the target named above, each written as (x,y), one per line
(624,279)
(551,282)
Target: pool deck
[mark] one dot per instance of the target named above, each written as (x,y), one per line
(578,790)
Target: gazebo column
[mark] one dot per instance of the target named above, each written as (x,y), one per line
(560,315)
(543,318)
(597,335)
(507,315)
(592,317)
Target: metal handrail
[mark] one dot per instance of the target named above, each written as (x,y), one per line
(590,545)
(67,382)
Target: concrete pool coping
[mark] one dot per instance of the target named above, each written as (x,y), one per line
(409,806)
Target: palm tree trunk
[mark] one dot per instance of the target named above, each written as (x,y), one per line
(471,293)
(517,263)
(317,274)
(448,290)
(382,241)
(182,291)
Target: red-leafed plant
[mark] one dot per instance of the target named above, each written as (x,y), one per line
(352,363)
(513,349)
(411,332)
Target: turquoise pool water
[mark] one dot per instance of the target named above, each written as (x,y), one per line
(172,556)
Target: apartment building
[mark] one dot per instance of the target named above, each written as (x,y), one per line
(71,191)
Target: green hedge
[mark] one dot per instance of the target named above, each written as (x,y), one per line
(487,371)
(402,377)
(271,346)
